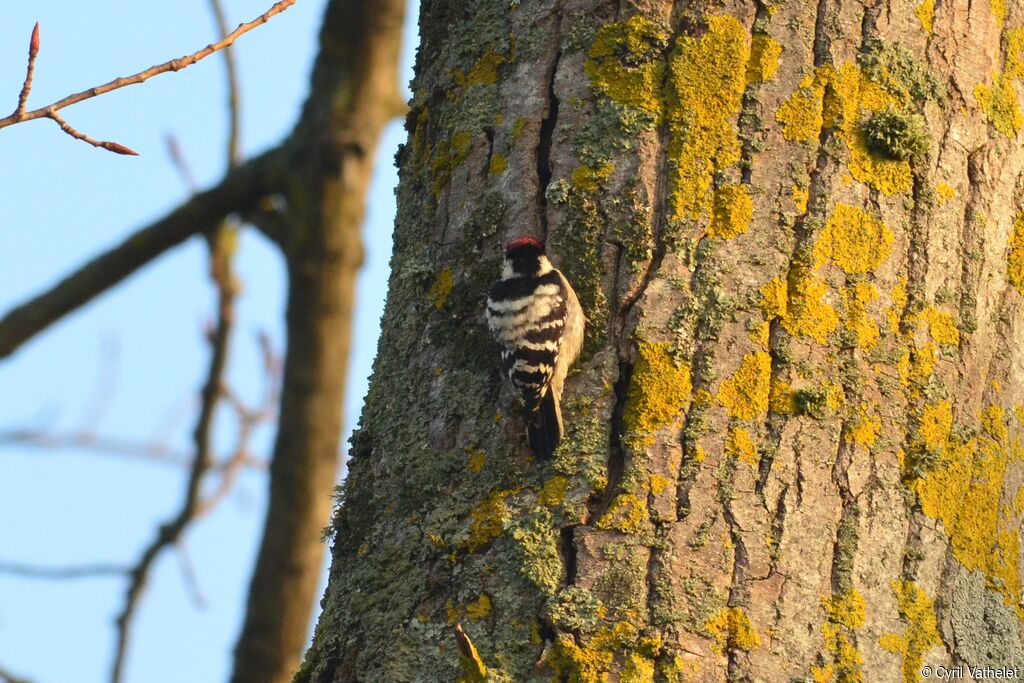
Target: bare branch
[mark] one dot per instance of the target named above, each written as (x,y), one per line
(234,96)
(180,163)
(115,147)
(86,571)
(89,441)
(50,111)
(240,191)
(189,575)
(7,677)
(33,52)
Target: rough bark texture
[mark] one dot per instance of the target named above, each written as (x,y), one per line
(794,440)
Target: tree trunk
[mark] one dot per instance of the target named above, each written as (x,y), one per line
(794,440)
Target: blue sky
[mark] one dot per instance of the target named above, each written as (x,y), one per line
(64,201)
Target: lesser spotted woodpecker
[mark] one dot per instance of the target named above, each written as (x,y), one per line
(538,322)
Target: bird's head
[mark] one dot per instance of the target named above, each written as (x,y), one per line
(525,256)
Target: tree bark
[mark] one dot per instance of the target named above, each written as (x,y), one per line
(794,439)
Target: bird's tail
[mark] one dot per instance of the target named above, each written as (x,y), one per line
(544,430)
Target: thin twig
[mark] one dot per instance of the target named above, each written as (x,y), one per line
(86,571)
(33,52)
(89,441)
(50,110)
(115,147)
(7,677)
(189,575)
(234,97)
(213,390)
(240,191)
(178,159)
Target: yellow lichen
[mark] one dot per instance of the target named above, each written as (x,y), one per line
(476,459)
(866,426)
(854,240)
(731,628)
(801,114)
(764,58)
(638,669)
(1014,54)
(965,492)
(999,102)
(921,633)
(781,399)
(773,298)
(800,196)
(442,287)
(625,62)
(745,393)
(935,425)
(945,192)
(899,302)
(857,297)
(806,312)
(588,178)
(657,483)
(659,390)
(941,326)
(552,493)
(592,659)
(740,446)
(731,213)
(759,334)
(499,164)
(999,11)
(627,513)
(926,14)
(845,613)
(484,71)
(1015,258)
(479,608)
(707,78)
(487,520)
(915,366)
(841,98)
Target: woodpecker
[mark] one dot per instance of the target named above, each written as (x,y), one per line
(537,320)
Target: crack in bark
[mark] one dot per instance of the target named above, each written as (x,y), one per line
(598,504)
(546,135)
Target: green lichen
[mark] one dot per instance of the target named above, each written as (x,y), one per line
(898,71)
(897,134)
(536,540)
(576,609)
(985,630)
